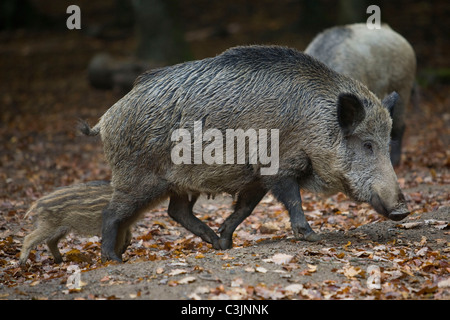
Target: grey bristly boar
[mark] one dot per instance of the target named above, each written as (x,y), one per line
(380,58)
(74,208)
(333,136)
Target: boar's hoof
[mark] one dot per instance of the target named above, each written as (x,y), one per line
(308,235)
(216,244)
(58,260)
(106,258)
(312,237)
(225,243)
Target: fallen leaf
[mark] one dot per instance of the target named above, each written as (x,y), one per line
(294,288)
(237,282)
(307,272)
(363,253)
(351,272)
(438,224)
(312,268)
(281,258)
(159,270)
(423,241)
(175,272)
(427,288)
(380,247)
(422,252)
(77,256)
(261,269)
(444,283)
(269,228)
(172,283)
(340,255)
(267,293)
(135,295)
(186,280)
(395,274)
(408,225)
(160,223)
(194,296)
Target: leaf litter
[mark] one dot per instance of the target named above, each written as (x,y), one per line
(361,255)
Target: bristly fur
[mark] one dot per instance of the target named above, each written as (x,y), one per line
(245,87)
(381,59)
(75,208)
(259,87)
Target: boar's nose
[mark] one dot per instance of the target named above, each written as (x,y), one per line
(396,213)
(397,216)
(401,210)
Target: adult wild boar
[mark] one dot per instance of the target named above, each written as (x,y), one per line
(333,136)
(380,58)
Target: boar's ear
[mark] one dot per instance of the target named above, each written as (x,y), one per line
(350,112)
(390,101)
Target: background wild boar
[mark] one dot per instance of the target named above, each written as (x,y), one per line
(333,136)
(74,208)
(380,58)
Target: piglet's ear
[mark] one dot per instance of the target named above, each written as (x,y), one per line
(390,101)
(350,112)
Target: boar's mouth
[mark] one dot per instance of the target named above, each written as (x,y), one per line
(399,212)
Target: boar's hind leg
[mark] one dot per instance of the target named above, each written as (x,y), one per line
(287,192)
(180,210)
(123,209)
(246,202)
(124,240)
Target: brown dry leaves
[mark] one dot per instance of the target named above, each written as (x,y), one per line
(401,266)
(372,271)
(395,267)
(358,268)
(41,152)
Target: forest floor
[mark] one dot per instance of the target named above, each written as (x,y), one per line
(361,255)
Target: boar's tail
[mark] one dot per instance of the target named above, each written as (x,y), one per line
(85,129)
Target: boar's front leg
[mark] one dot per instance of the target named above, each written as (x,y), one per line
(396,147)
(246,202)
(180,210)
(287,191)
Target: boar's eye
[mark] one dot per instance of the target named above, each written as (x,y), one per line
(368,146)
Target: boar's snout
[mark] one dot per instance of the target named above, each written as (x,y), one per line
(396,213)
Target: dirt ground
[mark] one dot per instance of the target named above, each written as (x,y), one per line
(360,255)
(334,268)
